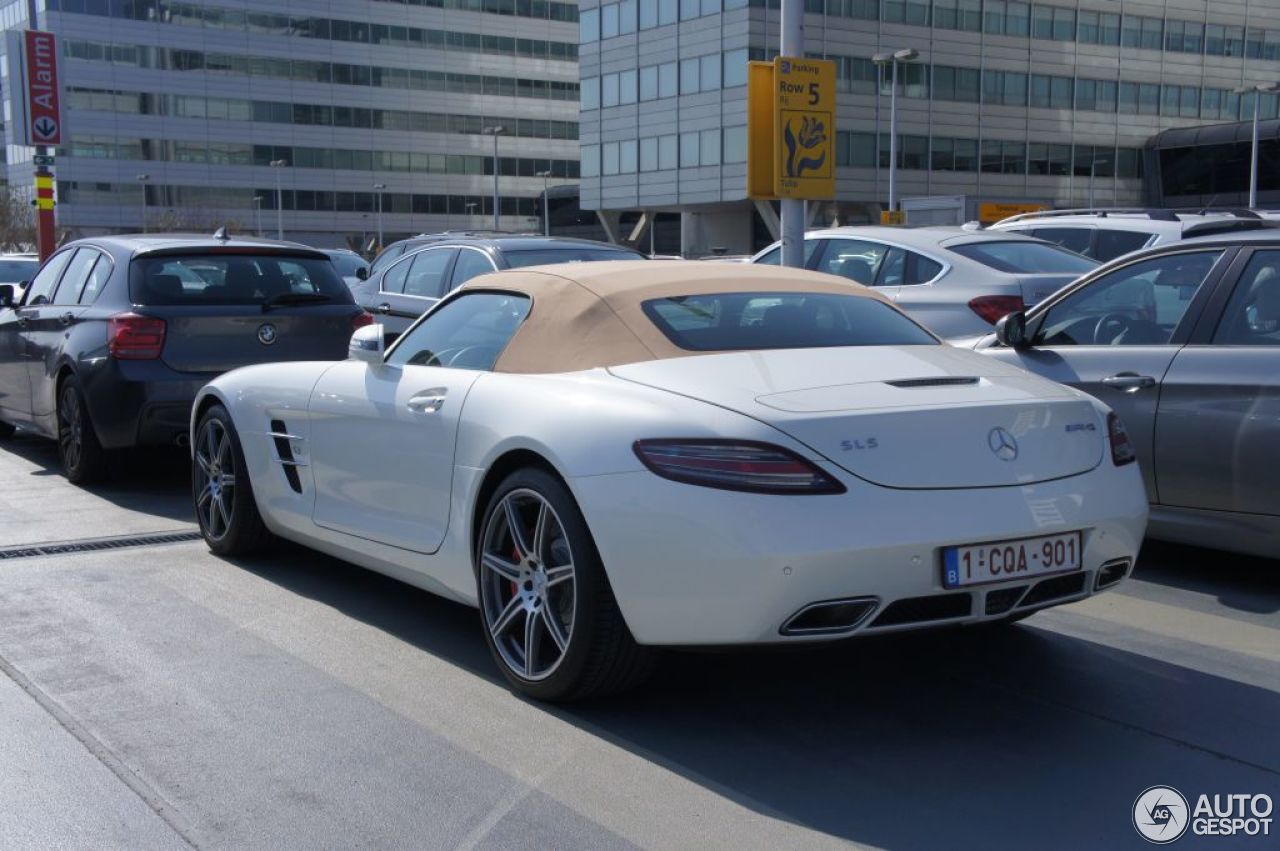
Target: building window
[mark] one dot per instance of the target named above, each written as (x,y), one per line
(668,12)
(648,14)
(667,80)
(649,83)
(627,156)
(1143,32)
(591,93)
(1053,22)
(609,157)
(626,17)
(735,68)
(589,25)
(609,21)
(1003,157)
(690,149)
(690,9)
(668,157)
(914,12)
(649,154)
(627,87)
(609,90)
(1008,88)
(709,77)
(689,76)
(735,144)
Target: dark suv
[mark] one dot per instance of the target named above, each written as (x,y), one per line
(114,335)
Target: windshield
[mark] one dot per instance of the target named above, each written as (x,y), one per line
(1025,257)
(231,279)
(347,264)
(722,322)
(566,254)
(13,271)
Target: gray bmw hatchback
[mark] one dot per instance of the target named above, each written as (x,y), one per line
(114,335)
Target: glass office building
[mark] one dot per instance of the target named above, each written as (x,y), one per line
(1050,102)
(176,111)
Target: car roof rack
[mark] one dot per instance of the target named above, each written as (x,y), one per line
(1213,227)
(1159,214)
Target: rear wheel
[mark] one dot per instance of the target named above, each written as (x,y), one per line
(6,430)
(83,458)
(225,506)
(550,618)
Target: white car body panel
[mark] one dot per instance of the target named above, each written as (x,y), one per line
(688,564)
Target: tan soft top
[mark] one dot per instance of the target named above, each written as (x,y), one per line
(587,315)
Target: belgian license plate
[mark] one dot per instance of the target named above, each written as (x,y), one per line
(1002,561)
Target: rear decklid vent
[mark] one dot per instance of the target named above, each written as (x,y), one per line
(941,381)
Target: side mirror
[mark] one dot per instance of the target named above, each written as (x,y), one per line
(363,273)
(1011,330)
(6,295)
(367,344)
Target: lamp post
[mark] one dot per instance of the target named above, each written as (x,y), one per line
(277,165)
(471,208)
(378,187)
(1257,90)
(142,184)
(546,208)
(1093,170)
(495,131)
(257,215)
(892,59)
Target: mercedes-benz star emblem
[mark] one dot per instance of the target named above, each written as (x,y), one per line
(266,334)
(1002,444)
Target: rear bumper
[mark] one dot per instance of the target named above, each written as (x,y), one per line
(141,403)
(694,566)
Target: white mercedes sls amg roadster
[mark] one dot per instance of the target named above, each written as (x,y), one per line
(608,458)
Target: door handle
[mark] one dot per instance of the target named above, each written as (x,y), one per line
(67,318)
(428,401)
(1129,382)
(384,308)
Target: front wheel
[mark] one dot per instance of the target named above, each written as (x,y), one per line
(550,618)
(83,459)
(225,506)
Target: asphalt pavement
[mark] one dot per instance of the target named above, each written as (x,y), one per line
(160,697)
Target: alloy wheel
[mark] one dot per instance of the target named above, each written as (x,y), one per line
(215,479)
(70,428)
(527,584)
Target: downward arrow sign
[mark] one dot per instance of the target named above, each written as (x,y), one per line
(45,127)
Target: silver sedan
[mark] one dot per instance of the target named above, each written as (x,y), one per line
(1183,342)
(954,281)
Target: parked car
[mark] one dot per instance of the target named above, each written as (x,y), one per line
(608,458)
(351,266)
(1183,341)
(17,269)
(1107,234)
(956,282)
(114,335)
(401,247)
(402,291)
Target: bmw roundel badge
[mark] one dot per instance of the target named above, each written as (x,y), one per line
(266,334)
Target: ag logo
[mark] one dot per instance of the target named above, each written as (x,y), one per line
(266,334)
(1160,814)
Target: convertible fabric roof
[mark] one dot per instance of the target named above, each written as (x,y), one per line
(589,315)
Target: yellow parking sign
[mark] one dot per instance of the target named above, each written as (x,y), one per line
(804,128)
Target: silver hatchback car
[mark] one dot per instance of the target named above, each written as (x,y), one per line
(955,281)
(1183,342)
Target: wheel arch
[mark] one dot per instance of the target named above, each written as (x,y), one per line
(504,465)
(206,399)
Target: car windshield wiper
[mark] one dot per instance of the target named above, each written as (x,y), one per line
(281,299)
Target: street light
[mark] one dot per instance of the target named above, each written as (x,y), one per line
(142,184)
(378,187)
(257,215)
(277,165)
(906,54)
(1093,170)
(546,210)
(471,208)
(1257,91)
(495,131)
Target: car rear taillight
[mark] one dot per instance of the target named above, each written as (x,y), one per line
(739,465)
(361,319)
(134,337)
(993,308)
(1121,447)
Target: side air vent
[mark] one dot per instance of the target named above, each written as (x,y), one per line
(284,451)
(941,381)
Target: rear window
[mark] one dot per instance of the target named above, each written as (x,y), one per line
(347,264)
(544,256)
(233,279)
(1024,257)
(722,322)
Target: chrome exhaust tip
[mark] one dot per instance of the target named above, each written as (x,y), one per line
(1111,573)
(830,617)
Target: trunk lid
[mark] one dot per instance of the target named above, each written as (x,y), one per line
(1037,287)
(906,417)
(219,338)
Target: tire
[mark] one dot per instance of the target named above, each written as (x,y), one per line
(6,430)
(83,459)
(221,491)
(525,582)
